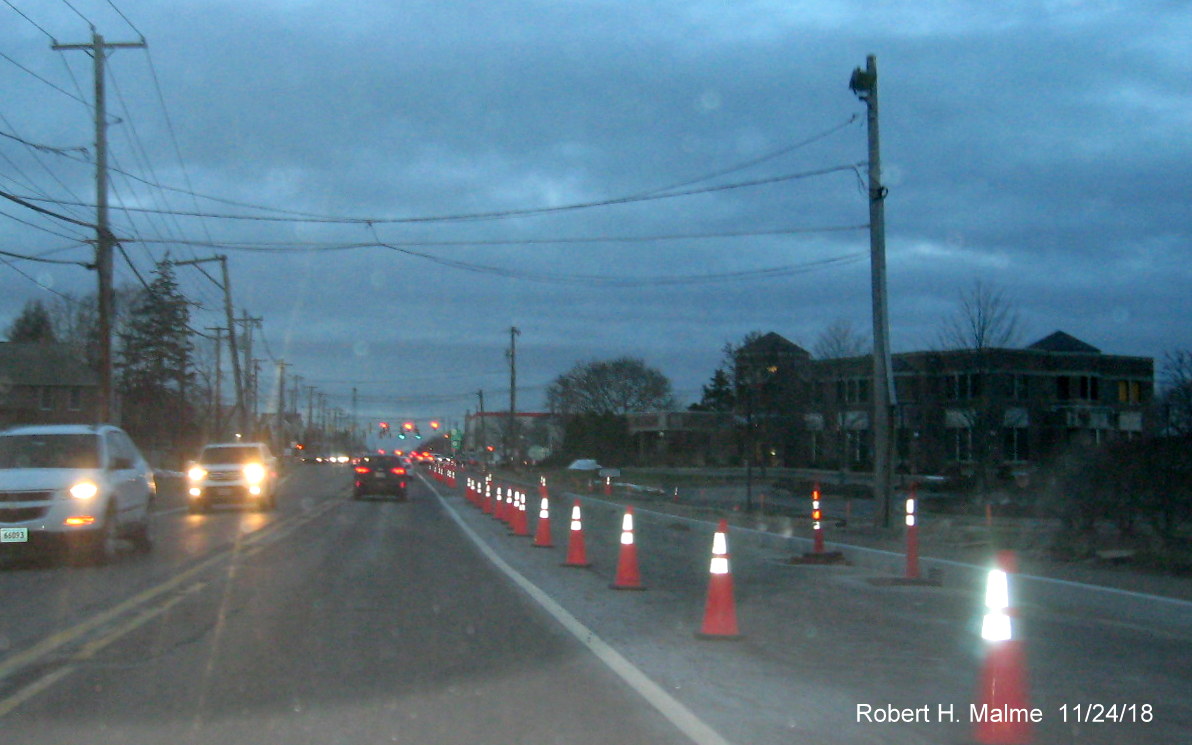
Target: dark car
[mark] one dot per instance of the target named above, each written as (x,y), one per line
(380,475)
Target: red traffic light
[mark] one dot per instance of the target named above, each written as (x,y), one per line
(434,424)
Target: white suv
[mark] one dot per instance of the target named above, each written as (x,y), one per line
(242,472)
(80,487)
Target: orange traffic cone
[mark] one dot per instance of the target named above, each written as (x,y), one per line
(577,553)
(542,531)
(487,506)
(499,509)
(520,525)
(628,577)
(1002,714)
(720,611)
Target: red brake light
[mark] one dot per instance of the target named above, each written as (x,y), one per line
(362,469)
(399,471)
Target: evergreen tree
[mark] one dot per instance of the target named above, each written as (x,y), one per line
(154,362)
(33,325)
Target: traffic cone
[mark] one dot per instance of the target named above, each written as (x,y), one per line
(499,504)
(720,610)
(628,577)
(1002,687)
(577,553)
(487,507)
(520,525)
(542,531)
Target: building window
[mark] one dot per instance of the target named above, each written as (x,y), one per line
(960,443)
(47,398)
(76,399)
(1016,444)
(1129,392)
(853,390)
(964,386)
(1019,387)
(1077,388)
(857,442)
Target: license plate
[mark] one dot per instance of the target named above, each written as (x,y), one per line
(14,535)
(224,491)
(380,474)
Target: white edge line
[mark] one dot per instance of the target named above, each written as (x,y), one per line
(678,714)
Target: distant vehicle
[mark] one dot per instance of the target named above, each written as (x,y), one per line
(75,487)
(233,472)
(380,475)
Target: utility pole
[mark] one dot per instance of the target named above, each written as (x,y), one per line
(483,435)
(355,412)
(248,392)
(217,394)
(864,84)
(104,239)
(279,417)
(234,352)
(511,441)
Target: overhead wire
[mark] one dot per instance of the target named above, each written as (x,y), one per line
(503,214)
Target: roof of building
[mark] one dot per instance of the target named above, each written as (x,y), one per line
(37,363)
(1062,342)
(774,345)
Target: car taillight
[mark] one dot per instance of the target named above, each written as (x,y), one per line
(362,469)
(398,471)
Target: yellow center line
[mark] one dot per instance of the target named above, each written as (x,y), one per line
(59,639)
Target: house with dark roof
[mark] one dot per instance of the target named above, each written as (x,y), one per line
(46,383)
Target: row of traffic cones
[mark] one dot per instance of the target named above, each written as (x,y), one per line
(509,505)
(1002,684)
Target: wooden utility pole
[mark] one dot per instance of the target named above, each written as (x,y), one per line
(226,286)
(483,435)
(511,436)
(104,240)
(217,394)
(864,85)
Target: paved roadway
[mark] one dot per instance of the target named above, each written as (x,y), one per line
(334,621)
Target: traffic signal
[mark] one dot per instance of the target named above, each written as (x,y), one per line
(384,429)
(434,423)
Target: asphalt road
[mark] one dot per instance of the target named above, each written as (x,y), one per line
(334,621)
(330,621)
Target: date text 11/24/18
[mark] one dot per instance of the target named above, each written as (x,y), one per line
(1111,714)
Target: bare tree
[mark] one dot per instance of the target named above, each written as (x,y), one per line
(985,319)
(840,340)
(1176,397)
(611,387)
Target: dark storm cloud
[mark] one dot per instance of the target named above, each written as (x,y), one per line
(1040,147)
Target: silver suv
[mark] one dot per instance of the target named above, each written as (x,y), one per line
(78,487)
(233,472)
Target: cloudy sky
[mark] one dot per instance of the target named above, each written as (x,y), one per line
(613,178)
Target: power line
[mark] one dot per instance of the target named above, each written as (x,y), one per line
(501,214)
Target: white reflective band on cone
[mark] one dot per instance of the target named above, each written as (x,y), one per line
(627,522)
(719,544)
(627,538)
(997,591)
(995,627)
(575,514)
(575,525)
(719,565)
(910,521)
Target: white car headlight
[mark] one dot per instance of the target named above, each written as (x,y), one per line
(196,474)
(254,473)
(84,490)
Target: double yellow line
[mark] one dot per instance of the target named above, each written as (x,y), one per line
(66,637)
